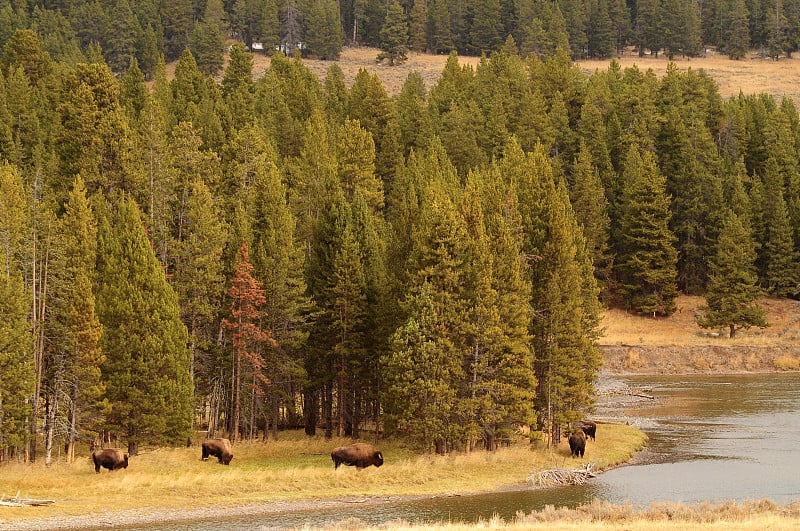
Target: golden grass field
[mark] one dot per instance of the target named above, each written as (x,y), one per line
(749,76)
(295,468)
(680,329)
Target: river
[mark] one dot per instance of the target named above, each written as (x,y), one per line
(711,438)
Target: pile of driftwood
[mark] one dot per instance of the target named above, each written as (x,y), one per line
(641,392)
(561,477)
(16,501)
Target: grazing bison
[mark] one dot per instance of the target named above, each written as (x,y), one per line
(577,443)
(219,448)
(112,459)
(589,428)
(360,455)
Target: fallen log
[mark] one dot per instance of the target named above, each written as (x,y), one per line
(560,477)
(16,501)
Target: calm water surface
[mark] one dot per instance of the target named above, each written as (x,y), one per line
(711,438)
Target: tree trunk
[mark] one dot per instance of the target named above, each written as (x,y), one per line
(73,424)
(732,331)
(52,409)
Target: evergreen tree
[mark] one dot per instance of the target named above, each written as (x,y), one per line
(207,45)
(418,26)
(278,263)
(647,259)
(426,362)
(198,276)
(591,213)
(501,383)
(376,112)
(248,339)
(16,362)
(394,35)
(76,358)
(416,128)
(120,41)
(732,293)
(324,37)
(486,33)
(355,156)
(778,256)
(176,18)
(147,368)
(601,32)
(648,26)
(735,36)
(133,91)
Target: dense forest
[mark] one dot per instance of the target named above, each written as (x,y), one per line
(148,29)
(242,255)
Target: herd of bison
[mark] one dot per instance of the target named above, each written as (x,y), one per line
(359,455)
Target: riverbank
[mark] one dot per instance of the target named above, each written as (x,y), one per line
(294,473)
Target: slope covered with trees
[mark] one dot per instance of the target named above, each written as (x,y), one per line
(245,255)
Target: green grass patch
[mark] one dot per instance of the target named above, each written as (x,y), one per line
(294,467)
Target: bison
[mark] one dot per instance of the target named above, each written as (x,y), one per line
(112,459)
(577,443)
(589,428)
(360,455)
(219,448)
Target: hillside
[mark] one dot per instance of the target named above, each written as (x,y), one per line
(634,343)
(750,76)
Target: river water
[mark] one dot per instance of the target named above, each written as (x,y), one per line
(711,438)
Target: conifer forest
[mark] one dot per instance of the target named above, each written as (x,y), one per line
(238,254)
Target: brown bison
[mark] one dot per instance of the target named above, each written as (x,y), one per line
(360,455)
(589,428)
(112,459)
(577,443)
(219,448)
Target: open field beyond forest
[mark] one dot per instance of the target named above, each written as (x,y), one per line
(675,344)
(750,76)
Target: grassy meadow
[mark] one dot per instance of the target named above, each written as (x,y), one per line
(294,467)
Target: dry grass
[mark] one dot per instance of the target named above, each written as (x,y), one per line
(623,328)
(293,468)
(749,76)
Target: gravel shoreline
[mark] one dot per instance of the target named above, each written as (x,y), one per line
(144,516)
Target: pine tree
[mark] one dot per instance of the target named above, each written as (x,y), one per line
(198,277)
(732,292)
(147,369)
(591,213)
(647,259)
(418,26)
(16,364)
(76,359)
(376,112)
(486,32)
(394,35)
(248,339)
(278,263)
(500,381)
(601,32)
(355,156)
(120,42)
(416,128)
(426,363)
(781,271)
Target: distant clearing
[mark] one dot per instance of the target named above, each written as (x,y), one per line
(681,327)
(749,76)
